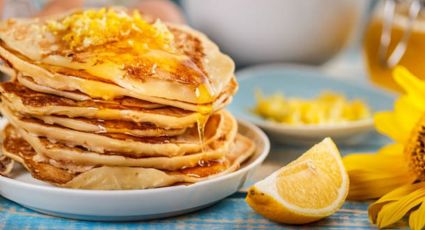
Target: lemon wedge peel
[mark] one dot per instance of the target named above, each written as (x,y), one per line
(264,196)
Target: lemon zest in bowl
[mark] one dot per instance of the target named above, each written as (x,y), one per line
(328,108)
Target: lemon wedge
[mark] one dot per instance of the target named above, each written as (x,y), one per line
(310,188)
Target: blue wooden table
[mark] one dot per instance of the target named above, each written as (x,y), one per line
(231,212)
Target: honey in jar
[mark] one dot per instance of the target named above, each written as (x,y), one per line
(398,30)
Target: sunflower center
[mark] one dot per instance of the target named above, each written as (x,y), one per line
(415,150)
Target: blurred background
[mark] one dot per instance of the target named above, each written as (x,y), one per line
(344,38)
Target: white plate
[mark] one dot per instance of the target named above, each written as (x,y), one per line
(124,205)
(304,82)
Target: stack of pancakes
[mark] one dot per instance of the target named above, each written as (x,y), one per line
(107,99)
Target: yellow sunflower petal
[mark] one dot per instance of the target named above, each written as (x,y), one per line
(392,149)
(365,188)
(407,114)
(394,211)
(373,175)
(394,205)
(372,161)
(387,124)
(414,87)
(394,195)
(417,217)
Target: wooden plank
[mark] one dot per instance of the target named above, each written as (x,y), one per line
(232,212)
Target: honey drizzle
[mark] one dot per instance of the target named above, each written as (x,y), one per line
(204,112)
(201,122)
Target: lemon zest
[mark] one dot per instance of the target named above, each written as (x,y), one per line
(328,108)
(93,27)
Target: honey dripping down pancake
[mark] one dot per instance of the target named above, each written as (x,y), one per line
(108,99)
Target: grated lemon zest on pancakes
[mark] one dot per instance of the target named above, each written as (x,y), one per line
(83,29)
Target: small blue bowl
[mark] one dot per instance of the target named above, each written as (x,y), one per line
(304,82)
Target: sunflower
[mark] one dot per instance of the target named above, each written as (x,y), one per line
(396,173)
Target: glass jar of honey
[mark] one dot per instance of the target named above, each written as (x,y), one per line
(395,36)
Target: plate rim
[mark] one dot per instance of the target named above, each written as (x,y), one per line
(247,73)
(365,123)
(86,192)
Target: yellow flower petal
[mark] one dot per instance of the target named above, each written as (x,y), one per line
(392,149)
(398,124)
(387,124)
(394,195)
(394,205)
(394,211)
(365,188)
(373,175)
(417,217)
(407,114)
(373,162)
(414,87)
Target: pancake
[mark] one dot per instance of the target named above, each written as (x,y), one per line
(64,154)
(26,101)
(107,177)
(22,91)
(156,62)
(97,89)
(110,126)
(188,142)
(29,83)
(66,88)
(6,165)
(7,69)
